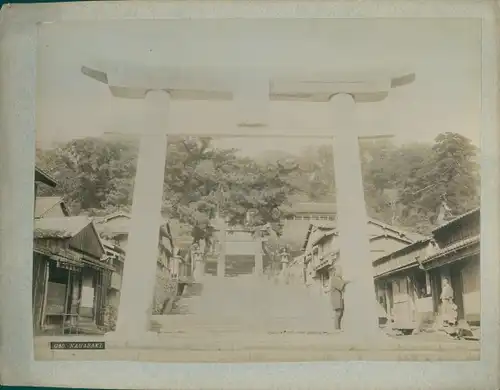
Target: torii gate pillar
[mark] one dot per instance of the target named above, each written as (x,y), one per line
(360,314)
(134,314)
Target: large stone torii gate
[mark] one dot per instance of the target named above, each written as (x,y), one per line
(154,88)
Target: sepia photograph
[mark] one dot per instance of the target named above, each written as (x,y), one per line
(222,195)
(289,195)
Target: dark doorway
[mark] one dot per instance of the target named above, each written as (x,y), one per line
(239,265)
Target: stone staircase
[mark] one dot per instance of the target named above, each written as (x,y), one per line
(247,303)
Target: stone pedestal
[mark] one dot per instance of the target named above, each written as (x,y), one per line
(137,290)
(198,259)
(360,316)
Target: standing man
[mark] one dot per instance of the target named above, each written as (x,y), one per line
(284,265)
(336,291)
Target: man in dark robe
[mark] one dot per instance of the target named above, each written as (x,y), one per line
(336,291)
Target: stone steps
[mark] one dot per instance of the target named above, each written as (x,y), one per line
(249,303)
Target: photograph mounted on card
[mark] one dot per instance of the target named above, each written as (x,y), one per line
(193,141)
(256,190)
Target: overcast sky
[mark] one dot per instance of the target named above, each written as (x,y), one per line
(443,53)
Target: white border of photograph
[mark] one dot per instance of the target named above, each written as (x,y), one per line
(18,58)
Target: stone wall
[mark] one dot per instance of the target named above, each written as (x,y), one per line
(110,317)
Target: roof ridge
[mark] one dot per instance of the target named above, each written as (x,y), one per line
(399,229)
(79,222)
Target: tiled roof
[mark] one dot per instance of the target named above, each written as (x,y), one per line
(453,247)
(324,233)
(124,226)
(456,219)
(410,235)
(45,203)
(330,227)
(327,225)
(65,227)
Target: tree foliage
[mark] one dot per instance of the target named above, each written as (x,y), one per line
(92,173)
(403,184)
(97,175)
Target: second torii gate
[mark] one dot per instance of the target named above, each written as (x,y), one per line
(154,88)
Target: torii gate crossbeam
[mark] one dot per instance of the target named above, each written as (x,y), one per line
(155,87)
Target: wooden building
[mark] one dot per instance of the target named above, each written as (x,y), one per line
(70,275)
(116,258)
(114,229)
(403,288)
(409,280)
(311,211)
(456,256)
(321,249)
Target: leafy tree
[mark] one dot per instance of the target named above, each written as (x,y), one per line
(451,170)
(96,176)
(93,173)
(202,182)
(403,184)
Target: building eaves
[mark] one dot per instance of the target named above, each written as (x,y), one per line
(60,227)
(456,246)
